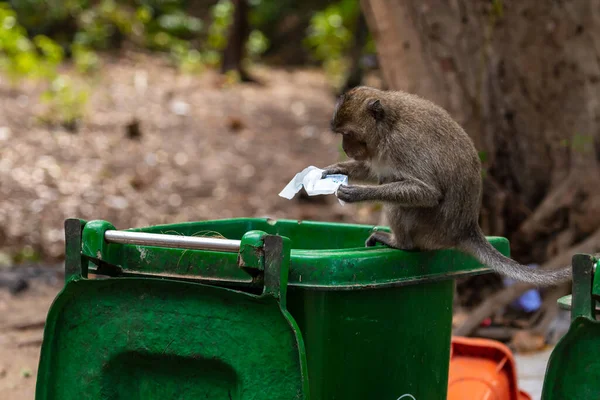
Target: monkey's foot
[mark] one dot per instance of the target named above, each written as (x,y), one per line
(387,239)
(380,237)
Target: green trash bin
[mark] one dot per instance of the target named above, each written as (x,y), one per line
(344,321)
(573,370)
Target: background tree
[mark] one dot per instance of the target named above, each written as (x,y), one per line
(239,30)
(356,71)
(523,79)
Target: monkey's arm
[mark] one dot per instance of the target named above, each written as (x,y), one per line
(407,193)
(358,170)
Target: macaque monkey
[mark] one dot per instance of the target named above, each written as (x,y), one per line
(428,176)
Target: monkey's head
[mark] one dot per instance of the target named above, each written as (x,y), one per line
(356,116)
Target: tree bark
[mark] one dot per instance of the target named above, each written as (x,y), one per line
(356,72)
(523,79)
(234,53)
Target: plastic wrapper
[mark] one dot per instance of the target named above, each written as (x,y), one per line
(314,184)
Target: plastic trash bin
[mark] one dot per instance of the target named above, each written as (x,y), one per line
(573,370)
(270,310)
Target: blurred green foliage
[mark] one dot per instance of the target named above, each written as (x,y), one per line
(331,34)
(156,25)
(257,44)
(330,31)
(39,58)
(83,26)
(19,55)
(37,36)
(26,255)
(222,14)
(66,102)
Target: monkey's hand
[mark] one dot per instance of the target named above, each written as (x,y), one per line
(353,169)
(353,193)
(334,170)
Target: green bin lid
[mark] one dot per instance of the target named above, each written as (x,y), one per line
(324,255)
(148,338)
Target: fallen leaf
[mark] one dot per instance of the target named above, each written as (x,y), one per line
(235,124)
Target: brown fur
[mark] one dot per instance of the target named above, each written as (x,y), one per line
(429,176)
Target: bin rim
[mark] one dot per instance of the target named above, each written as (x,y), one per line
(352,268)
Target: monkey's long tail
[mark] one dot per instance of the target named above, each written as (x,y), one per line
(485,253)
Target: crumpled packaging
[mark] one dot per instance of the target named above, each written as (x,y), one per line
(314,185)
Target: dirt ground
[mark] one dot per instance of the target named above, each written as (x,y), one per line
(205,150)
(21,328)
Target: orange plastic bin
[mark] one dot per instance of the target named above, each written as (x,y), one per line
(482,369)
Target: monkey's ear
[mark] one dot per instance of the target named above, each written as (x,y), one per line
(376,109)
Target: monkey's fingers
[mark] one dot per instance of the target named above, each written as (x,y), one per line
(349,193)
(332,171)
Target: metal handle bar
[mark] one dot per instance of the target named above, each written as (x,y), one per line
(181,242)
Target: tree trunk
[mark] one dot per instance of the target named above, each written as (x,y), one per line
(234,53)
(356,72)
(523,79)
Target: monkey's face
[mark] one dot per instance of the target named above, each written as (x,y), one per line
(355,117)
(354,147)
